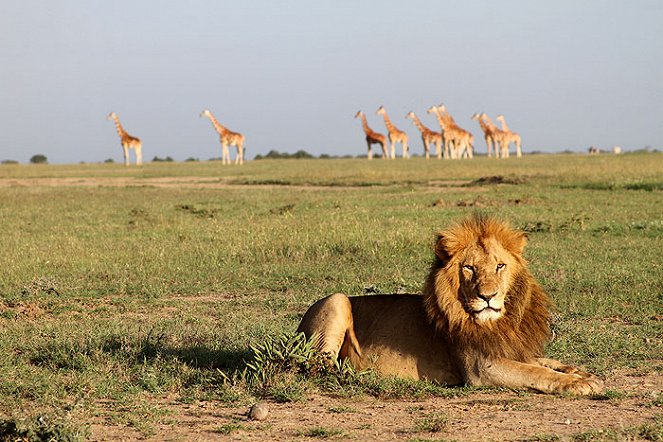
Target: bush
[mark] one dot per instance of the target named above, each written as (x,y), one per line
(276,155)
(9,162)
(166,160)
(39,159)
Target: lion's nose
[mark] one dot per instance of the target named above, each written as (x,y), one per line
(487,296)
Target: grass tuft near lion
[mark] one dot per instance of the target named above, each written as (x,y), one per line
(482,319)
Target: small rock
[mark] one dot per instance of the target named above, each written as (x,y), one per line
(259,411)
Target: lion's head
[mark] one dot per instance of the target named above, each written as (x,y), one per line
(480,294)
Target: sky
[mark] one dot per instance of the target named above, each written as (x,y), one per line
(291,75)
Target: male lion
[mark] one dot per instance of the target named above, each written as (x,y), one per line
(482,319)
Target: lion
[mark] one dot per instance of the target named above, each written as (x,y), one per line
(482,319)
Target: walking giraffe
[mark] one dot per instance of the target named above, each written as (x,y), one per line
(509,137)
(373,137)
(395,135)
(127,141)
(227,138)
(428,136)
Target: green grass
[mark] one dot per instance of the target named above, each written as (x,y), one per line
(117,293)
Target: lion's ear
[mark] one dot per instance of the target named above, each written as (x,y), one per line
(518,243)
(442,248)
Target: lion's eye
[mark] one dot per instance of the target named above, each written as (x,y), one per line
(500,266)
(469,268)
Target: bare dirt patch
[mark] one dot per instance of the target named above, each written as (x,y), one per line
(190,182)
(481,416)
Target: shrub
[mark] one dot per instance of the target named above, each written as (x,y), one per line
(168,159)
(39,159)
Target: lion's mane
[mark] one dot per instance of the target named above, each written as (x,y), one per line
(522,332)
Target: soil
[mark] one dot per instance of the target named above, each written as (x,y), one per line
(480,416)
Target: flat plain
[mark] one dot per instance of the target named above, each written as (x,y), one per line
(131,298)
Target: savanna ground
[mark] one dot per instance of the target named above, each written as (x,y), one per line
(130,297)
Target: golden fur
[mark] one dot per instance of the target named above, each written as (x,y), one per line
(482,319)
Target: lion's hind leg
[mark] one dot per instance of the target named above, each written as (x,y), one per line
(329,323)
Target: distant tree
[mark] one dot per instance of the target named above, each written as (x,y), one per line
(276,155)
(109,160)
(39,159)
(163,160)
(191,159)
(9,162)
(302,154)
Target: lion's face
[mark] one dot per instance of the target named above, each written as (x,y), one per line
(484,272)
(477,262)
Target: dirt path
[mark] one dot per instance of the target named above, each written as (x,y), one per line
(482,416)
(191,182)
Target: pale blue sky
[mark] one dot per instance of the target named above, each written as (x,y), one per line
(291,75)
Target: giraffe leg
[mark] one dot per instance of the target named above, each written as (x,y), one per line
(406,154)
(393,149)
(225,154)
(370,150)
(125,148)
(385,154)
(519,153)
(139,155)
(426,149)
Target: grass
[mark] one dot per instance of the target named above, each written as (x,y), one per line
(160,287)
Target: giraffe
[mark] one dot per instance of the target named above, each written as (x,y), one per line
(488,134)
(227,138)
(428,136)
(127,141)
(395,135)
(456,140)
(509,137)
(492,134)
(466,139)
(373,137)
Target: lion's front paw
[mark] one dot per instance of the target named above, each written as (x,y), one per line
(581,384)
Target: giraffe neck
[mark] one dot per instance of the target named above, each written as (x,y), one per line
(505,128)
(218,126)
(387,122)
(120,130)
(440,119)
(484,126)
(419,124)
(488,122)
(364,124)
